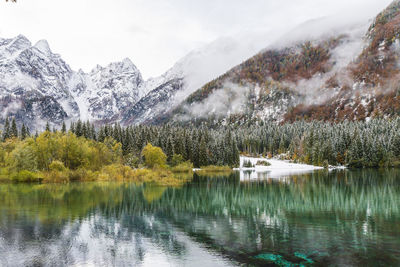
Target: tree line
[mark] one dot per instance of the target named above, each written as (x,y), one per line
(199,145)
(375,143)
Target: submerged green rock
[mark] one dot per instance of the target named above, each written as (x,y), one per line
(304,257)
(277,259)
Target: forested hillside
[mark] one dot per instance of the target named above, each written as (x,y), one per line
(351,74)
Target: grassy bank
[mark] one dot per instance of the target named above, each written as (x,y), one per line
(108,173)
(214,170)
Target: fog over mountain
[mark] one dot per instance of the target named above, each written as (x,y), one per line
(322,70)
(156,34)
(38,85)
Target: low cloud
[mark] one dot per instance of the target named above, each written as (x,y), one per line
(230,99)
(10,108)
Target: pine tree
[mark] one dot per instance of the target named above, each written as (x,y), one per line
(101,135)
(72,128)
(235,155)
(88,132)
(203,157)
(63,128)
(28,132)
(47,127)
(169,151)
(93,132)
(24,133)
(84,130)
(78,128)
(14,129)
(7,130)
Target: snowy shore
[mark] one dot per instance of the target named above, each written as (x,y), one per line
(277,169)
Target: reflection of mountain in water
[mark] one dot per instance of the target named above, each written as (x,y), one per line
(321,214)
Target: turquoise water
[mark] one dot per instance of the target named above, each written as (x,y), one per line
(318,219)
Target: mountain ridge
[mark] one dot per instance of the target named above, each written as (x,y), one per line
(348,75)
(335,72)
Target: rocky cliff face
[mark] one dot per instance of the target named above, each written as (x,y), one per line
(34,83)
(37,86)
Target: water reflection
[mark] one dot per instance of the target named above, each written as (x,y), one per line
(257,174)
(337,218)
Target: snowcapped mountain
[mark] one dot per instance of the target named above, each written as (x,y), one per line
(34,83)
(326,69)
(37,86)
(334,72)
(105,92)
(190,73)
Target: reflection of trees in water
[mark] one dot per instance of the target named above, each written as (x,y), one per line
(343,193)
(331,211)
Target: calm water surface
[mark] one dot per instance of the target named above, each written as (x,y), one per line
(318,219)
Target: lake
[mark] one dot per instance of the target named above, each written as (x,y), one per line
(311,219)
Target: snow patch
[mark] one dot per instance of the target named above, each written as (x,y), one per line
(43,46)
(278,169)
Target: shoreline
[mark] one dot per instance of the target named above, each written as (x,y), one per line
(278,168)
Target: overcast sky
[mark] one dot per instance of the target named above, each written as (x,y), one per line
(154,34)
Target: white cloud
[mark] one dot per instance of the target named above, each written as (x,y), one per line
(156,33)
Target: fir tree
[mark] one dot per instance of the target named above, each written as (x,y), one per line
(78,128)
(169,151)
(24,133)
(84,131)
(72,128)
(203,157)
(14,129)
(7,130)
(63,128)
(93,132)
(47,127)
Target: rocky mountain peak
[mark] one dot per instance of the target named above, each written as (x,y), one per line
(9,47)
(43,46)
(36,86)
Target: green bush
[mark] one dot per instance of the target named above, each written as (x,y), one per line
(176,160)
(24,176)
(247,164)
(325,164)
(57,165)
(131,160)
(263,163)
(183,167)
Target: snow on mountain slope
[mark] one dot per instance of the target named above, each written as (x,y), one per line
(292,71)
(154,103)
(323,70)
(33,82)
(37,86)
(194,70)
(36,83)
(105,92)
